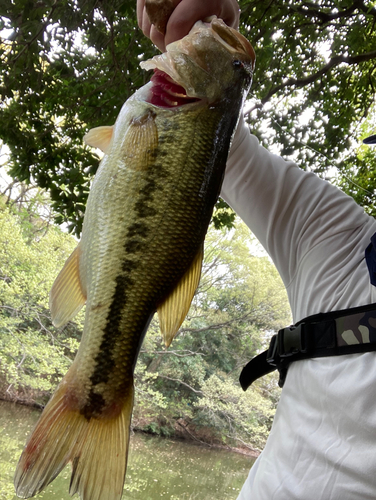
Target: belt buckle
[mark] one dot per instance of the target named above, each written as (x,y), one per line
(291,341)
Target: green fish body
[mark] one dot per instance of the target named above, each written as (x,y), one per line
(141,251)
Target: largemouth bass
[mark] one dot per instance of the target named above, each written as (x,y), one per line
(141,251)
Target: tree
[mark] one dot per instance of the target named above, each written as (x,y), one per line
(68,66)
(33,354)
(240,301)
(193,384)
(314,85)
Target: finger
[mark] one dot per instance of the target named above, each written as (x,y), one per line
(148,29)
(140,12)
(157,38)
(145,23)
(190,11)
(234,16)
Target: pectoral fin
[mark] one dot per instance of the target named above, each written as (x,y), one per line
(67,295)
(174,309)
(140,143)
(99,137)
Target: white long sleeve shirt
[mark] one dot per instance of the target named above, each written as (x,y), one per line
(323,440)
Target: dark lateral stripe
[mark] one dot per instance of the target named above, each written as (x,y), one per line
(134,244)
(94,407)
(104,360)
(137,229)
(128,265)
(144,210)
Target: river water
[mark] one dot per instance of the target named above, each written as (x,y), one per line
(158,469)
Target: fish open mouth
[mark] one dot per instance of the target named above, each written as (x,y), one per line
(166,93)
(189,70)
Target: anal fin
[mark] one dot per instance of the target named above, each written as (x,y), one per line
(173,310)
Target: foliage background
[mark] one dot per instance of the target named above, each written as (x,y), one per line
(189,389)
(69,65)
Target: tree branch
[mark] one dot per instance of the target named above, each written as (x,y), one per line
(302,82)
(175,353)
(192,435)
(218,325)
(37,35)
(324,17)
(182,383)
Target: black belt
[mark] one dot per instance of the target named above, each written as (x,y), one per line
(348,331)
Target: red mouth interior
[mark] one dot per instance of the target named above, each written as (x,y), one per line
(166,93)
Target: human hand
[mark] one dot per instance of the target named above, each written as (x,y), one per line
(184,16)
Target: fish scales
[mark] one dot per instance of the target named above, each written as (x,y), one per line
(141,250)
(171,232)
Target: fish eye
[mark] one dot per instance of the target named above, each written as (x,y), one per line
(237,64)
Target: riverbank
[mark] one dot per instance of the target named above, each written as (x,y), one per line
(158,468)
(180,431)
(203,436)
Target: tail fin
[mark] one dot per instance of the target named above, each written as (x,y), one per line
(97,448)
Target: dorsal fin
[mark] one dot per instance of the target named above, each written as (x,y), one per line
(99,137)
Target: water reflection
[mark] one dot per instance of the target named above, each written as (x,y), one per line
(157,468)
